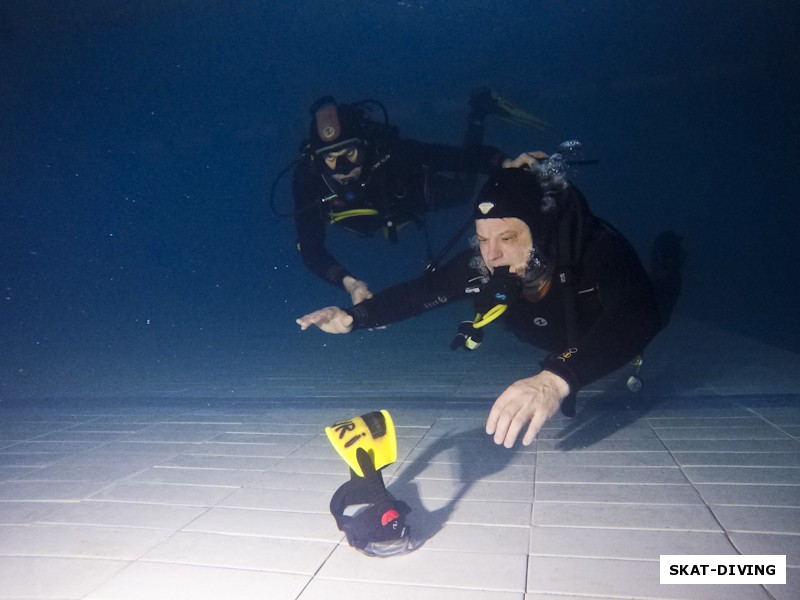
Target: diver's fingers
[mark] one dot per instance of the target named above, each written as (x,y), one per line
(523,160)
(533,399)
(322,318)
(502,416)
(310,319)
(335,321)
(538,420)
(303,322)
(360,293)
(344,323)
(515,426)
(526,159)
(494,415)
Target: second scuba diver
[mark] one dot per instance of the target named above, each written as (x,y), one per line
(362,175)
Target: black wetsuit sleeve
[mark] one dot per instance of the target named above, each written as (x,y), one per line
(628,320)
(310,227)
(408,299)
(440,157)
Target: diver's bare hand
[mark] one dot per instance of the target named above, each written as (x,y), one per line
(534,399)
(330,320)
(526,159)
(358,290)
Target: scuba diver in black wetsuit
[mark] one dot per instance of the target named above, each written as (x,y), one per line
(563,280)
(360,174)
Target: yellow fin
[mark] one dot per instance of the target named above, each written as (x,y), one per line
(374,432)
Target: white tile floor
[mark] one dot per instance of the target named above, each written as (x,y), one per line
(213,488)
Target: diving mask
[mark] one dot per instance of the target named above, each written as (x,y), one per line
(342,157)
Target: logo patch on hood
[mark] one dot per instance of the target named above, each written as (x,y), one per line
(485,207)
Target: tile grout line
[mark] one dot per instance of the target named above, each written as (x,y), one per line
(724,531)
(776,426)
(531,524)
(315,573)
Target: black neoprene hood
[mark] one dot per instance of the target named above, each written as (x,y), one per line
(518,193)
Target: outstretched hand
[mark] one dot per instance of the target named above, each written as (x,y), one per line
(330,320)
(526,159)
(534,399)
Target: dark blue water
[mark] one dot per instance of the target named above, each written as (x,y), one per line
(138,143)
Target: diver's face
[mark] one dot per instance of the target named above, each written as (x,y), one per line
(338,161)
(347,178)
(504,243)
